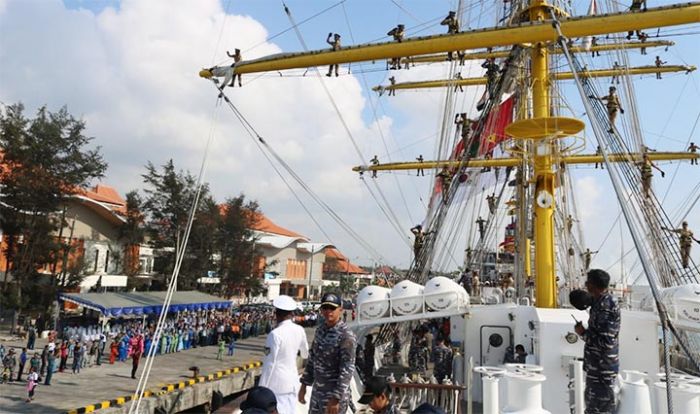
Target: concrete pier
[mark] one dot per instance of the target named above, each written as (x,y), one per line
(108,388)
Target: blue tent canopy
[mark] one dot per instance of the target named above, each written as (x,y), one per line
(138,303)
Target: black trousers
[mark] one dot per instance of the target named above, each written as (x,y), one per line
(134,366)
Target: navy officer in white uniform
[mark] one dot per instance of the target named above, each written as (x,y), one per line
(279,372)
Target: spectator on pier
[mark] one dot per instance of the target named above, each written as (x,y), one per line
(9,362)
(32,381)
(31,337)
(51,365)
(231,347)
(78,354)
(22,362)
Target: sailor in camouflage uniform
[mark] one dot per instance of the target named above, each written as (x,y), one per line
(417,360)
(442,356)
(600,354)
(686,238)
(377,396)
(331,362)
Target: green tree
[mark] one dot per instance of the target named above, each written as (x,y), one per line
(347,285)
(239,264)
(45,160)
(201,246)
(169,198)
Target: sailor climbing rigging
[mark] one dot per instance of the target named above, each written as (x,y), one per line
(685,238)
(645,167)
(612,103)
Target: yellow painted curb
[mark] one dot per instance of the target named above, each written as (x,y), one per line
(164,388)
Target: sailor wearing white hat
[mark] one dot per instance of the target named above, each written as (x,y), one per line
(279,371)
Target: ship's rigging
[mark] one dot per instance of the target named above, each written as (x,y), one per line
(537,161)
(540,40)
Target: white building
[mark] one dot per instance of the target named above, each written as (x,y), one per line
(294,263)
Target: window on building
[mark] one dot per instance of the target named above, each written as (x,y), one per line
(296,269)
(107,261)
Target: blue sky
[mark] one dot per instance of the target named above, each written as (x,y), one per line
(129,68)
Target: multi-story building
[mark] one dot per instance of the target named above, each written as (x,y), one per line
(294,265)
(92,249)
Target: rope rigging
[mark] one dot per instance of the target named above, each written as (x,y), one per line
(386,209)
(262,143)
(594,109)
(649,211)
(377,123)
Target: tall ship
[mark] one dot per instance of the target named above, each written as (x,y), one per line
(555,91)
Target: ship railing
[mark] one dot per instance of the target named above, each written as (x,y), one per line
(411,395)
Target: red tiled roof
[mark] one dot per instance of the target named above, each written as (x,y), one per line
(341,264)
(262,223)
(386,270)
(335,254)
(105,194)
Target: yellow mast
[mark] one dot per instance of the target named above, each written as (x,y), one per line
(573,49)
(598,73)
(514,162)
(536,31)
(543,229)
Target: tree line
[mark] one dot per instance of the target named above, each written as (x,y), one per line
(47,159)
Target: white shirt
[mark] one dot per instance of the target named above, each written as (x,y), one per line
(280,373)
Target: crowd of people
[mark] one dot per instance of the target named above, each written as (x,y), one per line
(84,346)
(431,342)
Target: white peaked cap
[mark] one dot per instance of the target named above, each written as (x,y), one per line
(285,303)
